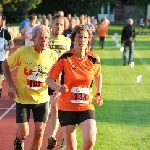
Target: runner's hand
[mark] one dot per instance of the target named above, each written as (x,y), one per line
(63,88)
(99,100)
(12,91)
(56,95)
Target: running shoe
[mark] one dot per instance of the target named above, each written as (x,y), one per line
(18,144)
(51,143)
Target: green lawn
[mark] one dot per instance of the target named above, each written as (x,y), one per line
(123,121)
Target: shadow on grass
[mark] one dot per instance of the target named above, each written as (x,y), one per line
(124,112)
(119,61)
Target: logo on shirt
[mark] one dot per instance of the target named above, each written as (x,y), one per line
(35,78)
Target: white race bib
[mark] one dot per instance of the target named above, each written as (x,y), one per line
(80,95)
(34,83)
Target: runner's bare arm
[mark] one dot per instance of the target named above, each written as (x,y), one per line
(98,81)
(98,95)
(53,85)
(12,92)
(23,31)
(7,72)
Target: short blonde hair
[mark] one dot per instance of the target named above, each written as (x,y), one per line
(39,28)
(130,21)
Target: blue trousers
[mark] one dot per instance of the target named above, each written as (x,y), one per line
(102,39)
(131,49)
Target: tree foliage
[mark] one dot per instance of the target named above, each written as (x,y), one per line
(70,6)
(17,10)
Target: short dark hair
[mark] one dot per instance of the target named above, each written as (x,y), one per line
(32,17)
(3,17)
(56,16)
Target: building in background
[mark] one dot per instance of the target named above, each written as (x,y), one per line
(119,11)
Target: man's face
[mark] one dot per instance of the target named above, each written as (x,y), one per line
(58,26)
(41,40)
(72,23)
(2,22)
(32,22)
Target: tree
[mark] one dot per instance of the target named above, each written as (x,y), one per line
(17,10)
(89,7)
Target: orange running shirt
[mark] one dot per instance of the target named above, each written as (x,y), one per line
(77,74)
(102,30)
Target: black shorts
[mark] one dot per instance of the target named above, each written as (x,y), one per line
(1,70)
(74,117)
(40,112)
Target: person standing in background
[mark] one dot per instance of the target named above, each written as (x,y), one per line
(61,13)
(127,40)
(6,44)
(25,22)
(39,19)
(141,24)
(27,30)
(102,32)
(148,23)
(107,23)
(49,17)
(92,29)
(67,32)
(60,44)
(68,16)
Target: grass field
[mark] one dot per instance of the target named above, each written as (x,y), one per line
(123,121)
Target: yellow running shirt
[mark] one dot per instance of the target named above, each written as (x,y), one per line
(33,68)
(59,44)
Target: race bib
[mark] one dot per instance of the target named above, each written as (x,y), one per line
(80,95)
(34,83)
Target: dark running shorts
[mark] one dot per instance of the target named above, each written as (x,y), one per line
(40,112)
(1,70)
(74,117)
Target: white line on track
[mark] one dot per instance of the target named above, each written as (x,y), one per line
(8,110)
(11,107)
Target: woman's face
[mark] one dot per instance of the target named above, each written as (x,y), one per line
(81,40)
